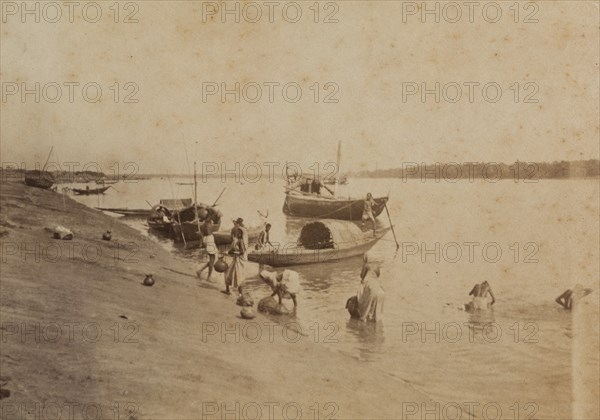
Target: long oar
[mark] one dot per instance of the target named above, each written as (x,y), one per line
(391,224)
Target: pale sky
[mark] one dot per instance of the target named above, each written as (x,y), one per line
(370,56)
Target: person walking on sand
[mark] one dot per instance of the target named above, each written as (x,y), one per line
(208,240)
(368,211)
(570,297)
(234,276)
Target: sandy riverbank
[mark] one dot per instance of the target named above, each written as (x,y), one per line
(81,334)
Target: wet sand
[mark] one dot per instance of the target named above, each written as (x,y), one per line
(80,332)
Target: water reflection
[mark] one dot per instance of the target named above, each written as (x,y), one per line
(369,338)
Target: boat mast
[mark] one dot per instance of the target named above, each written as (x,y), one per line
(48,158)
(196,204)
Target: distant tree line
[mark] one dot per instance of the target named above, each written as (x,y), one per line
(489,170)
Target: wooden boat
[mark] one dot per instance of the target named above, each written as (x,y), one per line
(185,225)
(40,179)
(317,206)
(105,182)
(161,215)
(223,237)
(184,183)
(90,191)
(320,241)
(126,212)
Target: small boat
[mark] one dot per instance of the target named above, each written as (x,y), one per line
(301,204)
(333,181)
(125,211)
(320,241)
(184,183)
(90,191)
(105,182)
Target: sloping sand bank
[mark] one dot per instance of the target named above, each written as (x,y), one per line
(81,336)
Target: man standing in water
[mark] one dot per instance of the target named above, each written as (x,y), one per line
(480,293)
(569,297)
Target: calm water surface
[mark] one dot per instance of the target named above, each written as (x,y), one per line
(539,239)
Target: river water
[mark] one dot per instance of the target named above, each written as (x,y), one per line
(530,241)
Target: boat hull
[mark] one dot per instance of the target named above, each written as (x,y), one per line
(39,182)
(300,205)
(91,191)
(291,256)
(126,212)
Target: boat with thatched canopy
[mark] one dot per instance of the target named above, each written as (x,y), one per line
(320,241)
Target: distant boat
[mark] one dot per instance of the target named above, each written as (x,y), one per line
(90,191)
(39,179)
(316,206)
(126,212)
(184,183)
(332,181)
(105,182)
(319,242)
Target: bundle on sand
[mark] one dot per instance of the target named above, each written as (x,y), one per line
(271,306)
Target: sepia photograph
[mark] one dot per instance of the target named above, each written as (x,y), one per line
(264,210)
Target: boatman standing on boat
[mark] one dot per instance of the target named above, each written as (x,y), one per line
(368,211)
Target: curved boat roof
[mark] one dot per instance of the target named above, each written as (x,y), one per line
(328,233)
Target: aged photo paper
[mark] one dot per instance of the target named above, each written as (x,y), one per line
(347,209)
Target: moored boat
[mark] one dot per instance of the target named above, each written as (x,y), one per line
(317,206)
(89,191)
(126,211)
(185,223)
(161,215)
(320,241)
(40,179)
(44,182)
